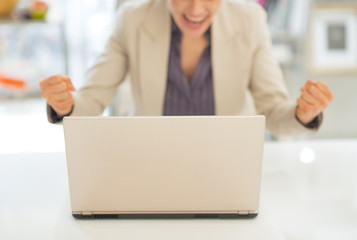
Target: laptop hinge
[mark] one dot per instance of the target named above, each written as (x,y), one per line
(246,213)
(84,214)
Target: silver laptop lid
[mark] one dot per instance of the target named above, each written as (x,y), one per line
(159,165)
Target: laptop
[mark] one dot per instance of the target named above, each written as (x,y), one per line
(164,167)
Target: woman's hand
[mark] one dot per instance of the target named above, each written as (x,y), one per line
(57,91)
(314,98)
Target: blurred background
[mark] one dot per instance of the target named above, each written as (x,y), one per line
(312,39)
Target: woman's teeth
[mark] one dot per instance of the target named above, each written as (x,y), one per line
(195,19)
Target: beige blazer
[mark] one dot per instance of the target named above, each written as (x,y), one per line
(247,79)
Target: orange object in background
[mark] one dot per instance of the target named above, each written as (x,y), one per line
(12,82)
(38,10)
(39,5)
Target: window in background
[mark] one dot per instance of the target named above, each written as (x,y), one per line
(28,44)
(88,25)
(26,50)
(67,42)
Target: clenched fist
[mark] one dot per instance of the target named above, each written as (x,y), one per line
(314,98)
(57,91)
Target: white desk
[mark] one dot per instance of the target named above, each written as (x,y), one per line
(298,201)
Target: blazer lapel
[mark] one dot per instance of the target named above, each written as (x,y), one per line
(154,44)
(228,57)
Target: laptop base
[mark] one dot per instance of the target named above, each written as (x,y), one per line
(166,216)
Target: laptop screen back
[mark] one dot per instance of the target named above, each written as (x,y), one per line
(155,165)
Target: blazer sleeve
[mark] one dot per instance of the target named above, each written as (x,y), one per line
(104,77)
(268,87)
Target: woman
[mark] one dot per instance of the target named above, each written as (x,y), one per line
(192,57)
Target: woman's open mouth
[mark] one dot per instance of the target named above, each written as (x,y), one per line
(194,23)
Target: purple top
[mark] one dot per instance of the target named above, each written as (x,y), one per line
(184,97)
